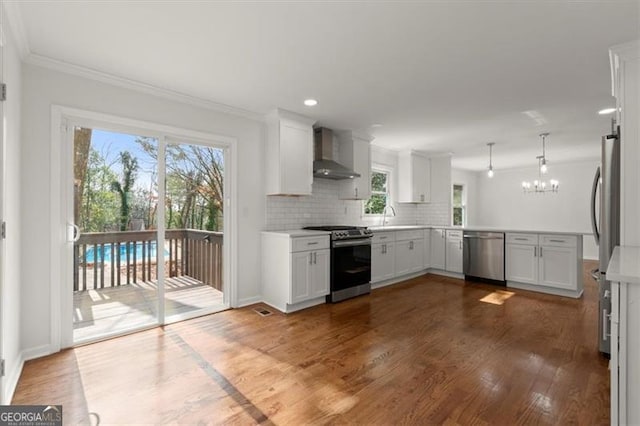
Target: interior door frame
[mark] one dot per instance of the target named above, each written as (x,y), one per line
(63,119)
(3,179)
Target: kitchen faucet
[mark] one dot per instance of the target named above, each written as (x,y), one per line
(384,213)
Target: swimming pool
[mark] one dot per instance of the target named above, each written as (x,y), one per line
(103,253)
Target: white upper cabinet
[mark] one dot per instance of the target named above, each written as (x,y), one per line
(625,71)
(414,178)
(355,153)
(289,154)
(441,179)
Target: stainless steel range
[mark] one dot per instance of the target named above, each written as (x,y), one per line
(350,261)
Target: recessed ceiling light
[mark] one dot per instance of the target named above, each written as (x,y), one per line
(606,111)
(310,102)
(376,125)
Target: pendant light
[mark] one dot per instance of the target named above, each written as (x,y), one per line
(490,171)
(540,186)
(543,160)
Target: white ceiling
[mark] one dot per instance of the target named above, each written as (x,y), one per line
(439,76)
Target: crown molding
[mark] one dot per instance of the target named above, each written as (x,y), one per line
(11,13)
(95,75)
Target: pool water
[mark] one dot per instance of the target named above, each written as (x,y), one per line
(97,251)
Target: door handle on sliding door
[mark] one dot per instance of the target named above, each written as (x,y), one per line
(73,233)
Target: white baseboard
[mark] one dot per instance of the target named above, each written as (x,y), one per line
(37,352)
(249,301)
(575,294)
(445,273)
(15,370)
(396,280)
(11,380)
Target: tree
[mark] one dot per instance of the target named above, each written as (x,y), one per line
(81,148)
(195,184)
(98,209)
(129,170)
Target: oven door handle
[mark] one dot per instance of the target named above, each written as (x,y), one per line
(348,243)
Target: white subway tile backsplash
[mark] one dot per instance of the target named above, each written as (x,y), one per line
(324,207)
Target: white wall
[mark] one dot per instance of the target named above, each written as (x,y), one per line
(502,203)
(43,88)
(12,215)
(469,180)
(324,206)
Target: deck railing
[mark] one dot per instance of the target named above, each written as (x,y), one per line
(111,259)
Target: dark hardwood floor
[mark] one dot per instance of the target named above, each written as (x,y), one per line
(426,351)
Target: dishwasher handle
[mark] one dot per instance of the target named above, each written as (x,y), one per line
(483,237)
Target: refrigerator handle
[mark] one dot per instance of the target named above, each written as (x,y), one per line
(594,224)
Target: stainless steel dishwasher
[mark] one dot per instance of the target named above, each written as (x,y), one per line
(483,256)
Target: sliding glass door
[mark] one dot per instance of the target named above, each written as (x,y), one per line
(144,255)
(194,223)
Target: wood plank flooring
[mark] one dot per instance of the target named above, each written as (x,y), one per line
(426,351)
(113,309)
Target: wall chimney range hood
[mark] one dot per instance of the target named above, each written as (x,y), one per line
(323,164)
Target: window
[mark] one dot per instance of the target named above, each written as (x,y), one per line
(459,216)
(379,192)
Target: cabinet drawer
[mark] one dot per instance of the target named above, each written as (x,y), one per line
(413,234)
(310,243)
(559,240)
(454,235)
(383,237)
(526,239)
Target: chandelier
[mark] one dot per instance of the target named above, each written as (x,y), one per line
(539,185)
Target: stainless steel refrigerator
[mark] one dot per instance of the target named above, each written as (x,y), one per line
(605,220)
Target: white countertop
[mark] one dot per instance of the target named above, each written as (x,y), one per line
(390,228)
(624,265)
(294,233)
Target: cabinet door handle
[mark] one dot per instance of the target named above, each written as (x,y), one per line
(460,244)
(535,251)
(557,241)
(356,192)
(310,258)
(315,258)
(605,324)
(410,245)
(540,251)
(520,239)
(384,249)
(312,244)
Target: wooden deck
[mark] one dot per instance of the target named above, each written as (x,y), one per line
(109,310)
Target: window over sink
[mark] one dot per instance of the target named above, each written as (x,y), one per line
(459,205)
(379,192)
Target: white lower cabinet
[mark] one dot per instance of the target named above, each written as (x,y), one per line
(427,249)
(521,263)
(383,260)
(453,255)
(625,351)
(396,254)
(310,275)
(557,267)
(438,248)
(409,256)
(409,251)
(546,262)
(295,271)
